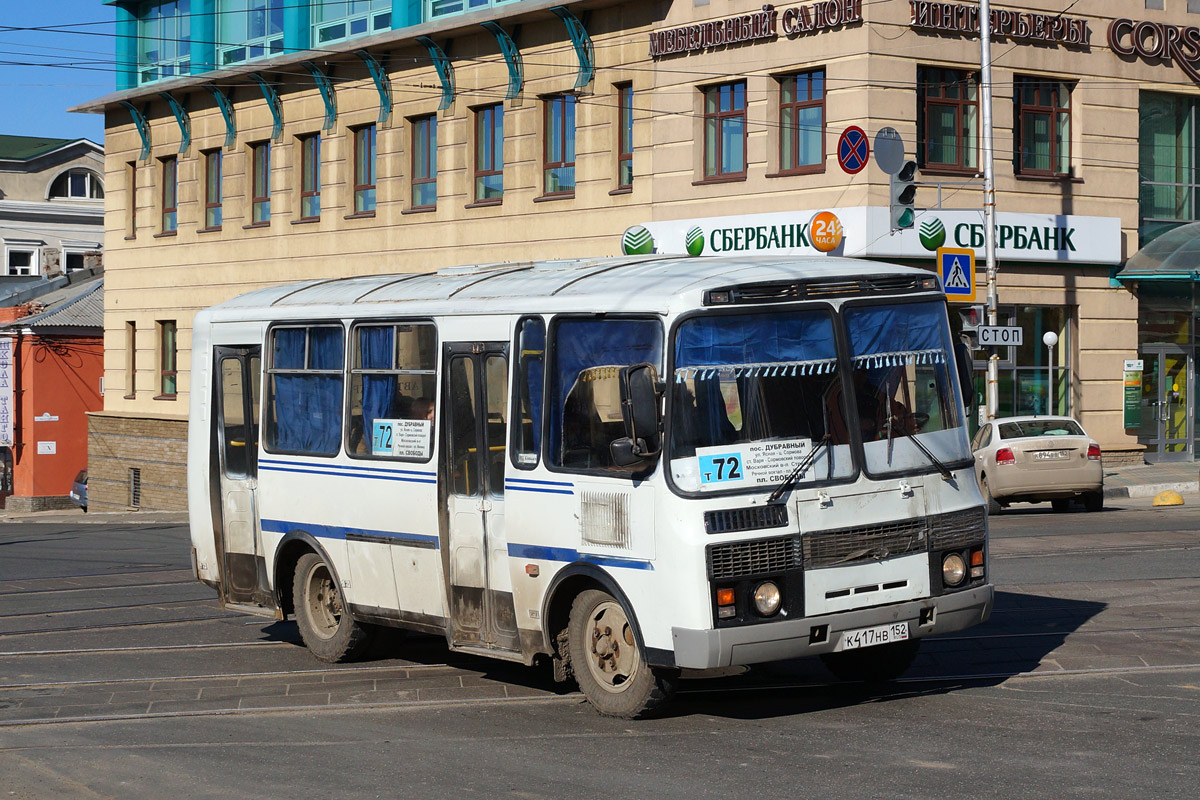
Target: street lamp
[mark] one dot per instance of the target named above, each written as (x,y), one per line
(1049,338)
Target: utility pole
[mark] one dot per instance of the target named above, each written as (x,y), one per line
(989,195)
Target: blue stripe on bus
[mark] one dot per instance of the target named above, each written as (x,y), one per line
(543,487)
(568,556)
(309,469)
(351,467)
(336,532)
(510,488)
(542,483)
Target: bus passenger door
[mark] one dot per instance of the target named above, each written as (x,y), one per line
(237,388)
(475,419)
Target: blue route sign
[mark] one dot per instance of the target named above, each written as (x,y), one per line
(957,268)
(853,151)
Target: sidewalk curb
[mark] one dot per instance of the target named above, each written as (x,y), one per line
(1151,489)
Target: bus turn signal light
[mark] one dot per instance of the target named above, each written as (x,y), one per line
(724,597)
(977,563)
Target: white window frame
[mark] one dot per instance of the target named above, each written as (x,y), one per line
(153,31)
(74,251)
(271,44)
(35,260)
(371,16)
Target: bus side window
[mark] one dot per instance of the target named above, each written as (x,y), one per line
(527,416)
(304,389)
(585,402)
(392,389)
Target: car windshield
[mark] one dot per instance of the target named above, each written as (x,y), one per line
(904,386)
(752,395)
(1040,427)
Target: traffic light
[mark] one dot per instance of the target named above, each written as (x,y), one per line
(903,192)
(972,317)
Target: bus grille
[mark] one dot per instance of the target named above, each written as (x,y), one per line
(956,529)
(783,291)
(754,558)
(754,518)
(864,543)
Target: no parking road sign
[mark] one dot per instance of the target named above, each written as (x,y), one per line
(957,268)
(853,150)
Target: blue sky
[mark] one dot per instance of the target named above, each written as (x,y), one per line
(34,96)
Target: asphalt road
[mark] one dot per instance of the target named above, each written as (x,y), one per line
(120,677)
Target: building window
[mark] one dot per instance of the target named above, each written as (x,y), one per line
(249,29)
(73,260)
(1167,146)
(212,190)
(725,131)
(445,8)
(949,118)
(558,167)
(164,37)
(167,352)
(424,162)
(131,199)
(334,20)
(310,176)
(1043,113)
(1025,386)
(77,184)
(305,374)
(260,166)
(625,136)
(21,261)
(170,194)
(802,122)
(489,154)
(130,359)
(364,170)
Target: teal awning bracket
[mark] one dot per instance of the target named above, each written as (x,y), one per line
(226,107)
(382,84)
(445,71)
(512,57)
(583,45)
(143,128)
(181,117)
(326,90)
(272,103)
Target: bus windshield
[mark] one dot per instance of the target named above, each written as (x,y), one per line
(752,396)
(902,373)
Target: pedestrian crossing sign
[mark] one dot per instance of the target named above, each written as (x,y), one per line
(957,268)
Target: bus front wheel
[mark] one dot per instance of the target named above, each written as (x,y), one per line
(610,669)
(328,630)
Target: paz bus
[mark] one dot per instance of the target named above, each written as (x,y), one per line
(633,467)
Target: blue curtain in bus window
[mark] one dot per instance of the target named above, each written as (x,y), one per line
(754,339)
(325,350)
(580,344)
(308,407)
(289,348)
(535,339)
(905,328)
(376,346)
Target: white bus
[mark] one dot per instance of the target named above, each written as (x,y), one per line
(630,466)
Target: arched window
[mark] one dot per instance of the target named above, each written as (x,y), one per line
(77,184)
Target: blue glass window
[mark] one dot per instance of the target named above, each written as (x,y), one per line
(249,29)
(334,20)
(165,41)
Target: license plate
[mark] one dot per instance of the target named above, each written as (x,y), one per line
(1051,455)
(880,634)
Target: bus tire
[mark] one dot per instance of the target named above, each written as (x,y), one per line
(878,664)
(328,630)
(610,669)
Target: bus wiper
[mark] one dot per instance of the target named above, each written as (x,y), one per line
(799,470)
(947,475)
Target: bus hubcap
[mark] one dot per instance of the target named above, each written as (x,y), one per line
(614,658)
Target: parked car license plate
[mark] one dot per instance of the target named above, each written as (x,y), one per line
(1051,455)
(879,634)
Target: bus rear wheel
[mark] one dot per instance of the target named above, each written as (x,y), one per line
(878,664)
(328,630)
(608,665)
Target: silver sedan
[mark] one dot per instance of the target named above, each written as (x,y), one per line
(1034,459)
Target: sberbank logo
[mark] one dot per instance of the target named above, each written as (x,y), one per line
(694,241)
(637,241)
(932,233)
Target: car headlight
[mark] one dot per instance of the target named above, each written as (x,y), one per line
(954,569)
(767,598)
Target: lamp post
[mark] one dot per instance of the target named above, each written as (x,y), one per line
(1049,338)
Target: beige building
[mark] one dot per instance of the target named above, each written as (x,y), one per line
(452,133)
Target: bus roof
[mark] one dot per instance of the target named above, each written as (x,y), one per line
(629,283)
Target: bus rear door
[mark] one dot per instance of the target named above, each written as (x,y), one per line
(238,390)
(475,414)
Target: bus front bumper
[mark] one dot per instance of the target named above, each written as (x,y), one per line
(777,641)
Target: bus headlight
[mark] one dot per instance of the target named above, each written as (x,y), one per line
(954,569)
(767,598)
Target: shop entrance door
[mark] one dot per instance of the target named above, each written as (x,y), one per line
(1168,407)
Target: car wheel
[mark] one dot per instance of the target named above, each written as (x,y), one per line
(1061,505)
(1094,501)
(993,506)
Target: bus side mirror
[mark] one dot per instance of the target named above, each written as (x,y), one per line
(640,393)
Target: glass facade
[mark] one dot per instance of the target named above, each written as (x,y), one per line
(164,37)
(1166,163)
(249,29)
(1033,379)
(334,20)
